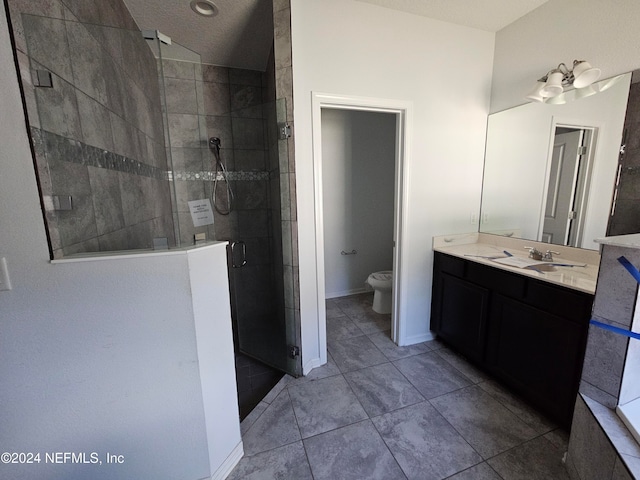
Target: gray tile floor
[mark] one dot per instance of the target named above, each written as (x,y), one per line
(378,411)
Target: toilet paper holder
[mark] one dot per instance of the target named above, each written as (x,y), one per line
(352,252)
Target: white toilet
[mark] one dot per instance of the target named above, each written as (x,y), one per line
(381,282)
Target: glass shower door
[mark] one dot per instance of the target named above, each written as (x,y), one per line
(229,153)
(260,263)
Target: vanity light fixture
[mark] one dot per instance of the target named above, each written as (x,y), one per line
(555,81)
(206,8)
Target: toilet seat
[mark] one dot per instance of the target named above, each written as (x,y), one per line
(383,277)
(382,283)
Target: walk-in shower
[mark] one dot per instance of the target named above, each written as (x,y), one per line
(121,126)
(224,147)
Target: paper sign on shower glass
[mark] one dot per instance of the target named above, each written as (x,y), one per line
(201,212)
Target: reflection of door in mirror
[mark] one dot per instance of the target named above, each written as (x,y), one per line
(567,187)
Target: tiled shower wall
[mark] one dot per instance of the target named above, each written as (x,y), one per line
(626,217)
(204,101)
(614,304)
(97,131)
(592,454)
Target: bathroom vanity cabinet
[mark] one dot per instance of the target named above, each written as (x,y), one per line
(528,333)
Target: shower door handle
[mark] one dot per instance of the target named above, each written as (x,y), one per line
(243,258)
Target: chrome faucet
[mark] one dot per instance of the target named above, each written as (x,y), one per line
(534,253)
(538,255)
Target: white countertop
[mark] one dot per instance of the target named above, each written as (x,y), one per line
(629,241)
(475,247)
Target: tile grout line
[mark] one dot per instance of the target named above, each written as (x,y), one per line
(387,445)
(473,466)
(385,442)
(497,399)
(304,446)
(379,386)
(283,445)
(453,426)
(426,400)
(460,372)
(456,368)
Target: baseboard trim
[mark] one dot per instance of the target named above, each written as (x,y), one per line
(229,464)
(310,365)
(346,293)
(423,337)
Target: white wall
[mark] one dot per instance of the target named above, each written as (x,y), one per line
(560,31)
(352,48)
(98,356)
(358,170)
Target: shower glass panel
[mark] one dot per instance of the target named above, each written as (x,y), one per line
(222,137)
(96,126)
(188,154)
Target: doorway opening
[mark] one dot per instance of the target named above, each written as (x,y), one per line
(358,167)
(569,176)
(371,238)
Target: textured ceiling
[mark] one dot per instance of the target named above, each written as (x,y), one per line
(242,33)
(489,15)
(239,36)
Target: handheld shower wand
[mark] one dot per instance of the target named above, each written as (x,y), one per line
(214,146)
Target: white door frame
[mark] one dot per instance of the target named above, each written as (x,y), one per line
(403,113)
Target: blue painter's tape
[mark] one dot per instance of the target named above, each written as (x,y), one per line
(618,330)
(621,331)
(630,268)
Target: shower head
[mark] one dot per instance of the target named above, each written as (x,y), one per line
(214,142)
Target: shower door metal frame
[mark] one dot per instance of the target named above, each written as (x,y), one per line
(403,113)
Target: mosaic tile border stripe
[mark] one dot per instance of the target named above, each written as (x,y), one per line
(59,148)
(74,151)
(209,176)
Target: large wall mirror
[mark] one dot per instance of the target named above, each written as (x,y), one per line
(550,169)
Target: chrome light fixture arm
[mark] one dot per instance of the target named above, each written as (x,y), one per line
(554,82)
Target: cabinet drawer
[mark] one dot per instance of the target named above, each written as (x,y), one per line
(452,265)
(497,280)
(565,303)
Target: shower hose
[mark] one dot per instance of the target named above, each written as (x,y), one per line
(220,171)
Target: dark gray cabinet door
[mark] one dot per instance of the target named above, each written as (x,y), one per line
(462,315)
(538,353)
